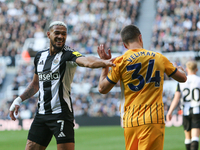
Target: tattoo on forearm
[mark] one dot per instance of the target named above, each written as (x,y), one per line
(30,91)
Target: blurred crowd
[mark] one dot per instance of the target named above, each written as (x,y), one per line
(20,20)
(177,26)
(98,21)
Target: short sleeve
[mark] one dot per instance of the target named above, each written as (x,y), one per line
(169,67)
(75,55)
(114,73)
(36,59)
(71,54)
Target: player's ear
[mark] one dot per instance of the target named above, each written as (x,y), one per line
(186,69)
(125,46)
(48,34)
(140,38)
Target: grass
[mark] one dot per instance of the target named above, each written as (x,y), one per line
(93,138)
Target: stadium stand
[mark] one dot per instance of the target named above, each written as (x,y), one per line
(177,26)
(98,22)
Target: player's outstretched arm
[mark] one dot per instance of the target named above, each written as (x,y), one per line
(104,85)
(173,105)
(29,92)
(180,75)
(94,62)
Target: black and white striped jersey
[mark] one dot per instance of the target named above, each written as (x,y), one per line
(55,75)
(190,95)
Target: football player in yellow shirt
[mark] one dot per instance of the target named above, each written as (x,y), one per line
(141,75)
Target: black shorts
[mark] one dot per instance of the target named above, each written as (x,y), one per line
(42,130)
(191,121)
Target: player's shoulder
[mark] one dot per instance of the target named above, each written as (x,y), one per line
(39,53)
(192,80)
(161,57)
(119,59)
(196,78)
(68,49)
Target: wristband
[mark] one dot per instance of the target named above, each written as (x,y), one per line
(17,101)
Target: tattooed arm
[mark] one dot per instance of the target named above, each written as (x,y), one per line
(31,89)
(29,92)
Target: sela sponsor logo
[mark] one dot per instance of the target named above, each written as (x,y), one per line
(48,76)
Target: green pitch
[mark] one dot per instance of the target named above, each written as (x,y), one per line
(93,138)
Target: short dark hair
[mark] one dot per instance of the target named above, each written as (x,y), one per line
(130,33)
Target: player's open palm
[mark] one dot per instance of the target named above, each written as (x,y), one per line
(102,53)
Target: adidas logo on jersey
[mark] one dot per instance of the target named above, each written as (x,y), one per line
(41,63)
(61,134)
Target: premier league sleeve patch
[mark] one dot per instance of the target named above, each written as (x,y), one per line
(77,54)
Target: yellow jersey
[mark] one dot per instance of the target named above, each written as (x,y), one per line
(141,75)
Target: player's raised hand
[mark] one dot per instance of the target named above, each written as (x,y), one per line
(181,69)
(102,53)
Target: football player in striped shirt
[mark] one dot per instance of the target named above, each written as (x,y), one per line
(189,94)
(54,72)
(141,74)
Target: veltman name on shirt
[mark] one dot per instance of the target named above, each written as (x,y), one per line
(138,54)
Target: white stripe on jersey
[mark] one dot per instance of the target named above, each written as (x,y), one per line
(122,102)
(40,67)
(55,101)
(68,76)
(196,110)
(186,109)
(190,94)
(50,73)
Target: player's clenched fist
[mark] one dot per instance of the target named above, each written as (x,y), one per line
(15,107)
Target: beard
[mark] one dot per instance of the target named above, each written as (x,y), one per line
(56,48)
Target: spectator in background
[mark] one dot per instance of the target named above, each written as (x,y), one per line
(104,20)
(176,20)
(99,21)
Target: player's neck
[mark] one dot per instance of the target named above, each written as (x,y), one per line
(53,51)
(191,73)
(135,45)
